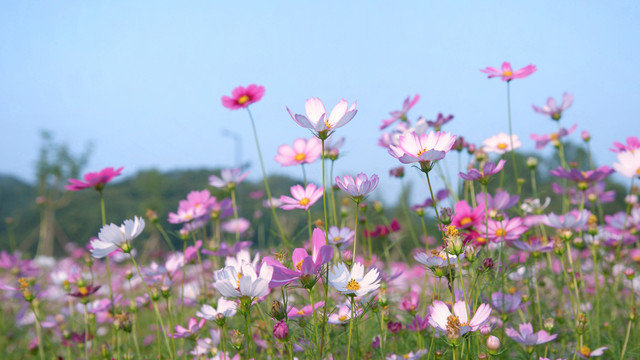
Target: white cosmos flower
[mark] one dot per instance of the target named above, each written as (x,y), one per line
(112,237)
(234,284)
(354,282)
(225,307)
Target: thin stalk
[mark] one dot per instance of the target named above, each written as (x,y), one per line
(315,319)
(204,280)
(235,212)
(309,223)
(266,182)
(39,331)
(350,330)
(355,232)
(86,332)
(426,234)
(333,198)
(408,217)
(513,154)
(164,235)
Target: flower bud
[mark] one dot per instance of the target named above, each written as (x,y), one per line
(493,345)
(470,253)
(488,263)
(585,136)
(319,224)
(281,331)
(128,275)
(347,257)
(237,340)
(548,324)
(152,216)
(581,323)
(629,273)
(532,162)
(394,327)
(485,329)
(397,172)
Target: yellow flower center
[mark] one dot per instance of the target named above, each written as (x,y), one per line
(337,238)
(304,201)
(502,146)
(585,351)
(353,285)
(326,122)
(507,73)
(342,317)
(239,277)
(452,230)
(481,240)
(501,233)
(554,136)
(300,157)
(406,356)
(243,99)
(465,221)
(512,290)
(638,171)
(299,265)
(300,312)
(421,152)
(83,290)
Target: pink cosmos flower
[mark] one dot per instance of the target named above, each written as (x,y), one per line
(440,120)
(303,198)
(587,353)
(294,312)
(96,180)
(358,188)
(302,152)
(500,143)
(242,97)
(552,109)
(457,322)
(632,144)
(507,73)
(544,139)
(466,217)
(232,226)
(191,330)
(197,206)
(316,116)
(488,169)
(229,178)
(628,164)
(401,114)
(582,176)
(527,337)
(506,230)
(425,149)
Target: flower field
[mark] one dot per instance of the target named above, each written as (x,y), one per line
(512,259)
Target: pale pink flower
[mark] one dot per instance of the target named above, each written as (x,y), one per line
(632,144)
(317,120)
(500,143)
(302,152)
(425,149)
(229,178)
(552,109)
(628,164)
(401,114)
(303,198)
(443,319)
(507,73)
(236,225)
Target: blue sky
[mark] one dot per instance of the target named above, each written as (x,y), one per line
(142,80)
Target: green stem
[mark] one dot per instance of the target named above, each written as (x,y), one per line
(86,333)
(266,182)
(355,232)
(235,212)
(513,154)
(350,330)
(39,332)
(315,319)
(333,197)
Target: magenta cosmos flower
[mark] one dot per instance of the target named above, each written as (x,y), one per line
(303,152)
(632,144)
(527,337)
(507,73)
(96,180)
(242,97)
(303,198)
(552,109)
(425,149)
(401,114)
(358,188)
(582,177)
(316,116)
(544,139)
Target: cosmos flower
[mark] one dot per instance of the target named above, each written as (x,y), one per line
(552,109)
(501,201)
(343,315)
(506,230)
(340,236)
(466,217)
(628,164)
(440,195)
(242,97)
(198,205)
(303,152)
(113,237)
(507,73)
(303,198)
(507,303)
(304,311)
(354,282)
(229,178)
(583,177)
(316,116)
(587,353)
(305,267)
(425,149)
(527,337)
(359,188)
(488,169)
(225,308)
(192,328)
(500,143)
(233,226)
(232,283)
(457,324)
(440,120)
(571,220)
(95,180)
(632,144)
(418,354)
(544,139)
(401,114)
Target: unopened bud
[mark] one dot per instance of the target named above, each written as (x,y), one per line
(237,340)
(548,324)
(277,310)
(281,331)
(347,257)
(493,345)
(532,162)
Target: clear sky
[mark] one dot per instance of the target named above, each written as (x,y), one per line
(142,80)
